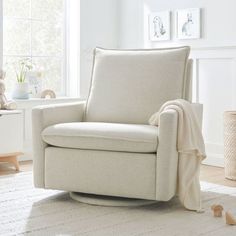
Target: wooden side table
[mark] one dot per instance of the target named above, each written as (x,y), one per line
(11,136)
(11,158)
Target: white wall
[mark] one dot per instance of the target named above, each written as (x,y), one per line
(98,27)
(218,27)
(214,57)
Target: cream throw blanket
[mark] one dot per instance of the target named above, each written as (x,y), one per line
(191,149)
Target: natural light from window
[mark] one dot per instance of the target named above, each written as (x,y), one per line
(35,29)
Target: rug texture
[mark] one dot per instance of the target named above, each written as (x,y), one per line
(25,210)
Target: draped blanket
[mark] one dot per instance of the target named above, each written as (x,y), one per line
(191,149)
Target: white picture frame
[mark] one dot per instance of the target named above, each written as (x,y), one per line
(188,23)
(34,79)
(159,26)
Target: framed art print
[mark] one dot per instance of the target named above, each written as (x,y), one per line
(34,79)
(188,22)
(159,26)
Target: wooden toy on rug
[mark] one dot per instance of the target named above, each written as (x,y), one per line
(230,220)
(4,103)
(217,210)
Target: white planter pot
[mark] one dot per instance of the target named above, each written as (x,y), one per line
(21,91)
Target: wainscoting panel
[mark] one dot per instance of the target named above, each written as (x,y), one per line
(214,85)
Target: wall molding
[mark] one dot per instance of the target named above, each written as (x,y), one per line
(206,76)
(222,47)
(214,160)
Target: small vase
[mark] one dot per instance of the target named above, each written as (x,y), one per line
(21,91)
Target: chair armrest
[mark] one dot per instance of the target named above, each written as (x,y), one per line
(42,117)
(167,155)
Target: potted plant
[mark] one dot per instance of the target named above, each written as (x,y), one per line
(21,90)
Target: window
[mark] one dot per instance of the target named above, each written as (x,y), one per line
(35,29)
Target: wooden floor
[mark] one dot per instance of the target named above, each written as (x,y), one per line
(6,169)
(215,175)
(208,173)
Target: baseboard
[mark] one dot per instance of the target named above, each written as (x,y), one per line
(214,160)
(25,158)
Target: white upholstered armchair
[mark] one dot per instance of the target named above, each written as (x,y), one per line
(105,146)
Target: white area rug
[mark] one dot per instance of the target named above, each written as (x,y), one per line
(25,210)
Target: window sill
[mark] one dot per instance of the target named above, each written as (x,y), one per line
(31,102)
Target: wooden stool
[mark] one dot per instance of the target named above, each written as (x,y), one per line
(11,158)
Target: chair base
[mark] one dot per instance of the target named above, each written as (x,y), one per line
(101,200)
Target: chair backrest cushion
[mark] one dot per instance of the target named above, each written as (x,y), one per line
(128,86)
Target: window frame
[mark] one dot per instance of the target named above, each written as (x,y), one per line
(69,84)
(72,56)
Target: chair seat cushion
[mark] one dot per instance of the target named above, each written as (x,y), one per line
(103,136)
